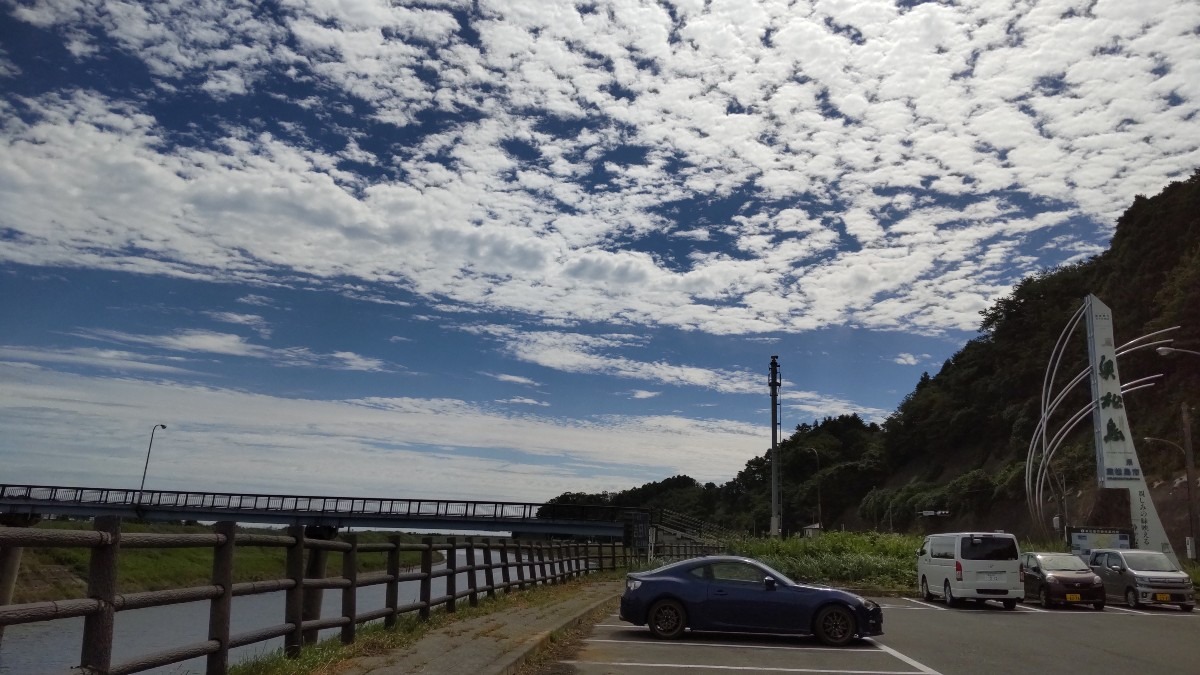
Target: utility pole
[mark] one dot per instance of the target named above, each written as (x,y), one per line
(776,511)
(1190,465)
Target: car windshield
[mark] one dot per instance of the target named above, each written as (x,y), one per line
(1148,561)
(989,548)
(1062,563)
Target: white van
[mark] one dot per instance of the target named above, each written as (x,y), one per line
(978,565)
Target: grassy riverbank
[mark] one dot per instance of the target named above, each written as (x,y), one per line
(61,573)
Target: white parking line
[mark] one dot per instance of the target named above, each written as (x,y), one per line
(910,661)
(1032,609)
(726,645)
(922,603)
(756,669)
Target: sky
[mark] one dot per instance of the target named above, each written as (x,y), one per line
(505,250)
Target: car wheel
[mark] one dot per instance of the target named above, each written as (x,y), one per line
(925,593)
(1044,597)
(1131,598)
(1010,603)
(835,626)
(1099,606)
(667,619)
(948,595)
(1187,608)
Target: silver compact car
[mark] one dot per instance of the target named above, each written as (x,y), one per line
(1143,578)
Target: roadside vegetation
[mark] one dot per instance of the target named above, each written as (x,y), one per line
(330,656)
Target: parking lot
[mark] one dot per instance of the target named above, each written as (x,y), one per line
(920,637)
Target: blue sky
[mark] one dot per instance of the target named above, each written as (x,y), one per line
(503,250)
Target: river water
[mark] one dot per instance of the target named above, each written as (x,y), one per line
(53,647)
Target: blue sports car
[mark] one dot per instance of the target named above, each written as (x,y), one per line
(734,594)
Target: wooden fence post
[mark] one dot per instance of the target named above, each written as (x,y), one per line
(392,591)
(505,573)
(221,606)
(472,576)
(489,576)
(294,614)
(520,565)
(452,576)
(96,654)
(426,577)
(350,593)
(541,552)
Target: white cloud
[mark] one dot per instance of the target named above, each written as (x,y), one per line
(515,379)
(642,394)
(941,103)
(220,439)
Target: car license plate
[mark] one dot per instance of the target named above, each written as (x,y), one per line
(993,576)
(1072,597)
(1162,597)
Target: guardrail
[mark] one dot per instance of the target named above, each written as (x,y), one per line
(520,564)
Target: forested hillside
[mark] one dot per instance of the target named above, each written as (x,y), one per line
(958,441)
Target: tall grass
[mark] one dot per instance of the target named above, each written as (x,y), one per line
(884,561)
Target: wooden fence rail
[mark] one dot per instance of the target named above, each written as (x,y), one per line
(530,562)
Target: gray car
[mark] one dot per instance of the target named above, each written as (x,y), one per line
(1143,578)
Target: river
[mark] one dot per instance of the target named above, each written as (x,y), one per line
(53,647)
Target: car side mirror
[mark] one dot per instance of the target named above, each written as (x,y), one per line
(920,551)
(1034,568)
(769,583)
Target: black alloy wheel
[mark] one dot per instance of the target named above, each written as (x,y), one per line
(1044,598)
(667,619)
(926,594)
(835,626)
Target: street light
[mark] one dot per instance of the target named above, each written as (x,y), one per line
(820,527)
(147,467)
(1163,351)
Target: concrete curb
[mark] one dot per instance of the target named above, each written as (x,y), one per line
(518,658)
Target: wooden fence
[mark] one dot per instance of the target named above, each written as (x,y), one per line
(518,564)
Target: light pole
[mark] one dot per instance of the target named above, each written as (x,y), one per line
(820,526)
(147,467)
(1189,466)
(1188,460)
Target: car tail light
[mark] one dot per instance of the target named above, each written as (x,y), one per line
(958,570)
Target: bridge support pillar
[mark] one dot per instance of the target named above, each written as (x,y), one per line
(318,560)
(10,565)
(10,558)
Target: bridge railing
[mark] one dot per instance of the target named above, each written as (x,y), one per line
(506,565)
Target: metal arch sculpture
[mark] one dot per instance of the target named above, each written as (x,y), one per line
(1043,446)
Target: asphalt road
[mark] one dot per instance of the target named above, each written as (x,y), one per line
(919,638)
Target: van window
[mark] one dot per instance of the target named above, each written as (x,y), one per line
(941,547)
(989,548)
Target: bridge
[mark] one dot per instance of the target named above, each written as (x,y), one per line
(332,512)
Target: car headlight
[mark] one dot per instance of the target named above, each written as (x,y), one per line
(1051,579)
(632,584)
(1096,580)
(1141,581)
